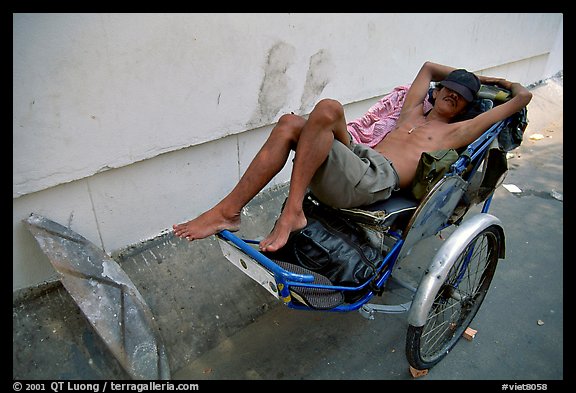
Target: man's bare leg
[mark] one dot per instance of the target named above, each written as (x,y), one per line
(325,123)
(268,162)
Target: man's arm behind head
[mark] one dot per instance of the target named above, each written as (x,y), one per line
(471,129)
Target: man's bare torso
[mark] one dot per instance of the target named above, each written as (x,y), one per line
(412,136)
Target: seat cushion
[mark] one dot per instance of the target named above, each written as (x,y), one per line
(383,213)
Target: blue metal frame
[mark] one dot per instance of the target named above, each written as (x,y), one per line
(286,279)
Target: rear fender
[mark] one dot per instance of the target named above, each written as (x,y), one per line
(442,262)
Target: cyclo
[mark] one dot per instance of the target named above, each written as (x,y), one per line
(455,282)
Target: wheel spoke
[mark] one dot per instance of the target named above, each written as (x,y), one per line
(437,327)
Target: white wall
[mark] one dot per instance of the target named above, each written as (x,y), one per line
(126,123)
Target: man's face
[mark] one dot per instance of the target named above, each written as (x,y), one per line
(450,102)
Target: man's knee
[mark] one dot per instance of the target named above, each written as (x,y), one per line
(328,109)
(289,126)
(289,120)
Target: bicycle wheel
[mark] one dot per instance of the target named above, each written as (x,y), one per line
(456,302)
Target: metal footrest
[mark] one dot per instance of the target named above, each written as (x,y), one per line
(368,310)
(319,298)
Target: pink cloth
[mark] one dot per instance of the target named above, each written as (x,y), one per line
(381,118)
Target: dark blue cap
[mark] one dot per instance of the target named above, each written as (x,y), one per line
(464,83)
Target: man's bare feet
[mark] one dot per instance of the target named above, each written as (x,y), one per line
(286,224)
(208,223)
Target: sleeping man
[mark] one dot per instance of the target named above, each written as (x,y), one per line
(343,173)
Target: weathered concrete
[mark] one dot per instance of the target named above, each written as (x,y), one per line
(107,297)
(196,296)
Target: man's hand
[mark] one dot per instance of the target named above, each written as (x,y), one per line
(490,80)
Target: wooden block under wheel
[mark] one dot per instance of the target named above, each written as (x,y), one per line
(417,373)
(469,333)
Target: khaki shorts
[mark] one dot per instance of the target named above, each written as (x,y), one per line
(354,176)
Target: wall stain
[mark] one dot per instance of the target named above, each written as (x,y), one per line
(275,87)
(318,76)
(70,218)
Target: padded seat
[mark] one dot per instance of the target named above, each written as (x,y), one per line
(383,213)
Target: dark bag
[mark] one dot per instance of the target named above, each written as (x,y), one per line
(334,247)
(431,168)
(512,134)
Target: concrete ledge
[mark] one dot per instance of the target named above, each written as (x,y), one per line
(198,298)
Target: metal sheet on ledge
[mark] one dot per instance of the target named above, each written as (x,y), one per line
(107,297)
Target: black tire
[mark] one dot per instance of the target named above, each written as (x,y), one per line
(452,310)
